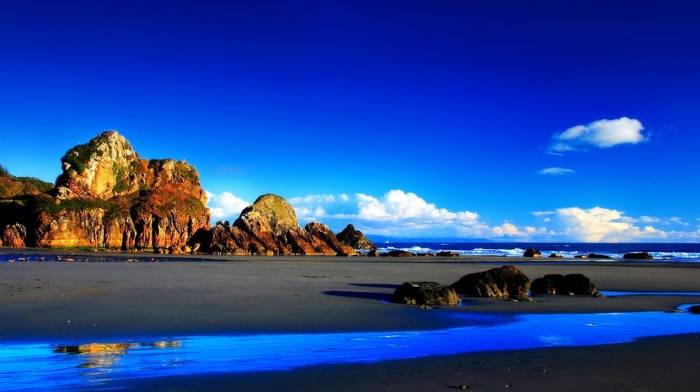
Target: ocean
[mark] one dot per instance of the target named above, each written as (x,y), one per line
(664,252)
(671,252)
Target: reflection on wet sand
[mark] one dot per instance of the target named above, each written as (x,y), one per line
(106,355)
(97,365)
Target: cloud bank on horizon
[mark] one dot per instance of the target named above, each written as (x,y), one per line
(405,214)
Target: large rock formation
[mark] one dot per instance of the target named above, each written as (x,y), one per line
(504,282)
(270,227)
(354,238)
(107,197)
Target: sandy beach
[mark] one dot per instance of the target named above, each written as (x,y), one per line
(72,303)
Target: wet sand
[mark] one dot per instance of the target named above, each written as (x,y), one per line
(83,302)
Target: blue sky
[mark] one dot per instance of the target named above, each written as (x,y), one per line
(545,121)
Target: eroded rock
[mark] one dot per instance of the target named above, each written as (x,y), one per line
(571,284)
(426,294)
(503,282)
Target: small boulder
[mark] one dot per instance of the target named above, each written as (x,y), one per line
(638,256)
(503,282)
(695,309)
(426,293)
(532,252)
(399,253)
(598,256)
(447,253)
(571,284)
(556,255)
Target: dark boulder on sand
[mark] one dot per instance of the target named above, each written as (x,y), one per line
(503,282)
(572,284)
(532,253)
(598,256)
(638,256)
(447,253)
(426,293)
(398,253)
(695,309)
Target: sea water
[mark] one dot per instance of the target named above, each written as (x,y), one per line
(671,252)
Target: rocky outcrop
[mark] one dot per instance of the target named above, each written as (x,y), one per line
(11,186)
(426,293)
(269,227)
(107,197)
(503,282)
(571,284)
(354,238)
(638,256)
(13,235)
(532,253)
(105,167)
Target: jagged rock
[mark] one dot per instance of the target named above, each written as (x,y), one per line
(532,253)
(503,282)
(354,238)
(638,256)
(325,234)
(269,227)
(13,235)
(373,253)
(571,284)
(426,293)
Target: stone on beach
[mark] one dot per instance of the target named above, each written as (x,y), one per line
(571,284)
(503,282)
(638,256)
(426,293)
(532,253)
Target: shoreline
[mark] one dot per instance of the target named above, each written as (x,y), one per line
(84,302)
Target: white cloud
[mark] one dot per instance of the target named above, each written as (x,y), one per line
(601,134)
(556,171)
(649,219)
(225,206)
(401,213)
(543,213)
(604,225)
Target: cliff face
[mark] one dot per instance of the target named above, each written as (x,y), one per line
(107,197)
(270,227)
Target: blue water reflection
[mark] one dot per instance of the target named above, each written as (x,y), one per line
(47,366)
